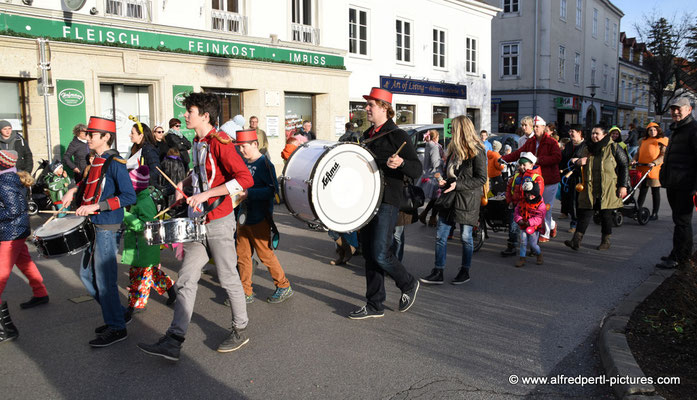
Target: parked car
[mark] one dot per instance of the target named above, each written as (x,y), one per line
(416,134)
(510,139)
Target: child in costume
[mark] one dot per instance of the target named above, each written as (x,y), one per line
(145,272)
(530,217)
(57,181)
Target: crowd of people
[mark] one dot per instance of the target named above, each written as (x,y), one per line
(230,165)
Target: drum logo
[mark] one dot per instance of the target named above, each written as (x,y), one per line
(330,175)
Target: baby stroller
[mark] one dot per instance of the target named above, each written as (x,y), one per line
(630,208)
(38,198)
(495,215)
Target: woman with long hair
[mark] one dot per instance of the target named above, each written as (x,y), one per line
(652,148)
(465,175)
(432,170)
(144,151)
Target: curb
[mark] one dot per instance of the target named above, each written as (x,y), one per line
(616,356)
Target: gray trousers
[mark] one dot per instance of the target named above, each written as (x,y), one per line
(221,244)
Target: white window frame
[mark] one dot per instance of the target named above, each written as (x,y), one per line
(122,9)
(562,63)
(593,70)
(595,23)
(579,14)
(577,69)
(301,12)
(517,60)
(471,66)
(511,5)
(607,31)
(614,35)
(357,31)
(410,36)
(301,30)
(562,10)
(436,47)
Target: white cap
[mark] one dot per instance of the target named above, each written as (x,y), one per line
(529,156)
(527,186)
(538,121)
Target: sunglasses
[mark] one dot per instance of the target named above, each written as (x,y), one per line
(159,131)
(178,125)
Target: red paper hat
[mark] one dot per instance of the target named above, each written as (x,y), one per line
(246,135)
(377,93)
(98,124)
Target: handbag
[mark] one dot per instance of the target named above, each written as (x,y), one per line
(413,197)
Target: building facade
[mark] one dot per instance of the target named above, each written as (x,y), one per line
(556,59)
(435,57)
(116,58)
(633,95)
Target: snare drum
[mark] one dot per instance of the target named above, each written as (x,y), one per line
(336,184)
(175,230)
(64,236)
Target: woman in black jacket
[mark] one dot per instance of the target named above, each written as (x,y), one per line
(465,175)
(75,157)
(144,148)
(569,196)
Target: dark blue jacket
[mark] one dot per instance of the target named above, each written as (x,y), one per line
(117,184)
(260,196)
(14,220)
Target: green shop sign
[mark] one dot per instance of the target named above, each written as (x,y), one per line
(102,35)
(71,109)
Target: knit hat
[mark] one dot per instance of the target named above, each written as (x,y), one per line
(8,159)
(532,188)
(507,148)
(238,120)
(496,146)
(140,178)
(527,157)
(4,124)
(614,128)
(54,166)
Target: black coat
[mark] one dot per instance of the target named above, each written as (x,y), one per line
(180,143)
(570,151)
(383,148)
(25,160)
(679,169)
(76,156)
(471,176)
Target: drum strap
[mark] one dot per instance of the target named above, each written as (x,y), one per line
(275,235)
(378,136)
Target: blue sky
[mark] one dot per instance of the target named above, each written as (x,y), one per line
(636,10)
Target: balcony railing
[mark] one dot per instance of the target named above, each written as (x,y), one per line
(135,9)
(305,34)
(228,22)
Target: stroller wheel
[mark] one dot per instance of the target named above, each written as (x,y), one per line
(617,218)
(643,216)
(33,208)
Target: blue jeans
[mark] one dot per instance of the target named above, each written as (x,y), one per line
(548,196)
(513,230)
(398,242)
(99,274)
(442,232)
(350,237)
(376,239)
(529,239)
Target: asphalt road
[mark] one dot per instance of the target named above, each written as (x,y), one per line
(455,342)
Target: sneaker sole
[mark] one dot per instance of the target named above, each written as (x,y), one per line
(430,282)
(367,316)
(413,298)
(459,282)
(98,346)
(281,300)
(233,349)
(159,355)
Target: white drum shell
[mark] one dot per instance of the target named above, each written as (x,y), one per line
(336,184)
(176,230)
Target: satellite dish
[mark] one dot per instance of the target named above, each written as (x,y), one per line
(74,5)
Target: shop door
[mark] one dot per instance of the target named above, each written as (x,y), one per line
(508,116)
(118,102)
(298,109)
(230,104)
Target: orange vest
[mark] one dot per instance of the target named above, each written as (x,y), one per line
(648,152)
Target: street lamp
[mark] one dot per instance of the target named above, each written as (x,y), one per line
(592,87)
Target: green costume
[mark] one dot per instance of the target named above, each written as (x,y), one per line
(136,251)
(57,186)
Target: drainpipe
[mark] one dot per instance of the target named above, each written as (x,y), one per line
(534,82)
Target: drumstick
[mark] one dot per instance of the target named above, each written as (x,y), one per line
(61,212)
(174,184)
(163,211)
(400,148)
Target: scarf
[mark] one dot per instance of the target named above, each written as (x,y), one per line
(596,148)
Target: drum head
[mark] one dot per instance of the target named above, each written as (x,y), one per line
(346,187)
(59,226)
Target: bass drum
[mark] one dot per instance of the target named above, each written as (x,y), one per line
(338,185)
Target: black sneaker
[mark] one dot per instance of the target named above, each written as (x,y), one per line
(510,251)
(407,299)
(366,312)
(34,301)
(128,317)
(435,278)
(462,277)
(237,339)
(169,346)
(109,337)
(172,295)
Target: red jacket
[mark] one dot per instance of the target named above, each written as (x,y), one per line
(514,188)
(548,156)
(228,166)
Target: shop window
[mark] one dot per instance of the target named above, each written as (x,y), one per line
(230,103)
(301,22)
(357,115)
(403,41)
(509,59)
(508,116)
(358,31)
(226,16)
(10,104)
(298,108)
(136,9)
(440,113)
(405,113)
(510,6)
(474,115)
(471,55)
(118,102)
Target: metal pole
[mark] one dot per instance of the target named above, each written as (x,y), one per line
(48,128)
